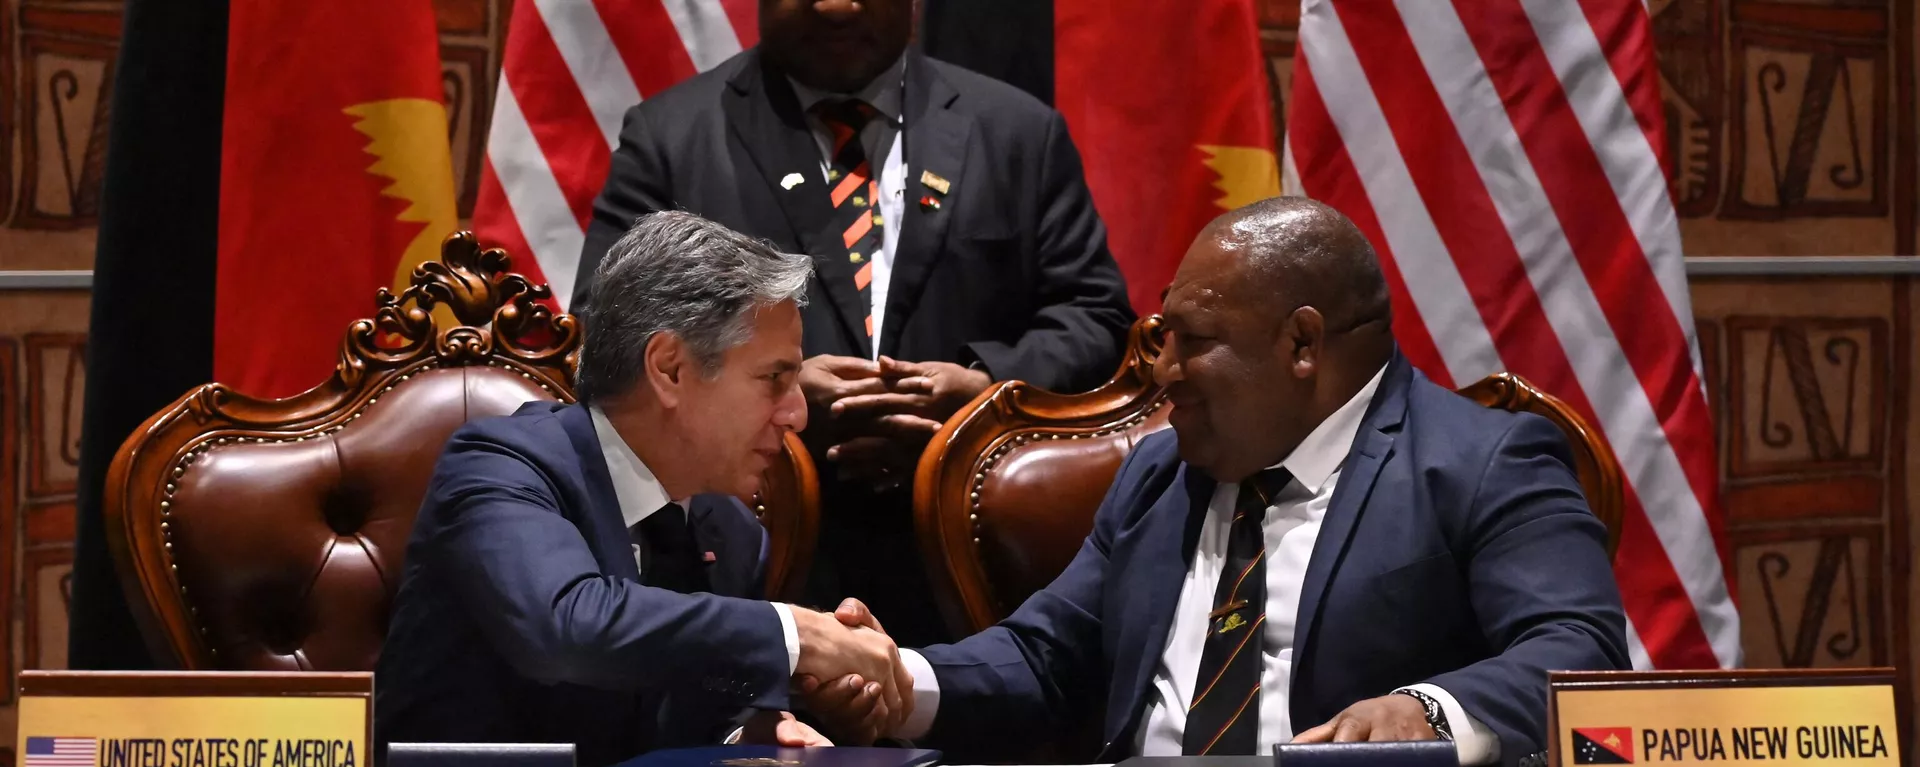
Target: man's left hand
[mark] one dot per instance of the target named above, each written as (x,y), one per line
(891,427)
(779,728)
(932,390)
(946,386)
(1386,718)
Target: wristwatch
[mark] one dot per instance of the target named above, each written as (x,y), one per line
(1436,717)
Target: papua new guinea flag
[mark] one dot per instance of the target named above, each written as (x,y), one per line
(336,178)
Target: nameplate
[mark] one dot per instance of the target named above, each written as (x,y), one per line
(194,719)
(1776,717)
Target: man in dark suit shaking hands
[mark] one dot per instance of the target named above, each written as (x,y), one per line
(584,573)
(1325,546)
(953,238)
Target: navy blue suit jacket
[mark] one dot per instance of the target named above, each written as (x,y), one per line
(521,617)
(1458,550)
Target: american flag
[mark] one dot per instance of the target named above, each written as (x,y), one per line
(62,752)
(571,69)
(1504,157)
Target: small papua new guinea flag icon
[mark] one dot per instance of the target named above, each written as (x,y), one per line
(1603,745)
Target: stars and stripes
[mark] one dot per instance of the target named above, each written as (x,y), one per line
(571,69)
(1504,157)
(62,752)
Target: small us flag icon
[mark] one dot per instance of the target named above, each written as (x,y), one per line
(62,752)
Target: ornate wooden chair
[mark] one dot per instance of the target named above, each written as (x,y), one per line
(1007,490)
(268,534)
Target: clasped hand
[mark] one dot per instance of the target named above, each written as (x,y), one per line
(850,675)
(878,414)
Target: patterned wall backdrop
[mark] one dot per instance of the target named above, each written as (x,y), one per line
(1791,133)
(1791,130)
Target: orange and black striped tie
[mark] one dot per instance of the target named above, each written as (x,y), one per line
(856,212)
(1225,715)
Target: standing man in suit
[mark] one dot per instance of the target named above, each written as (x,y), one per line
(1326,546)
(583,573)
(953,238)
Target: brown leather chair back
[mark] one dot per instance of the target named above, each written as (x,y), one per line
(1006,492)
(269,534)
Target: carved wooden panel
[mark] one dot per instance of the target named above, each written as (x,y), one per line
(1692,89)
(1713,368)
(9,117)
(1810,130)
(66,75)
(48,574)
(1814,434)
(10,492)
(469,95)
(56,381)
(1820,399)
(1790,124)
(471,35)
(1812,600)
(1279,28)
(41,373)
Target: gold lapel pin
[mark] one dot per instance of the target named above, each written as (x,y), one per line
(792,180)
(933,181)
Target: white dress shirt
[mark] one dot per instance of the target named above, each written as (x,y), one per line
(885,95)
(1291,526)
(640,494)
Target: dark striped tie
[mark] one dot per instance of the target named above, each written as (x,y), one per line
(851,177)
(1225,715)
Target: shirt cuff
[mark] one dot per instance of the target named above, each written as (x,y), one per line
(790,633)
(1475,743)
(926,696)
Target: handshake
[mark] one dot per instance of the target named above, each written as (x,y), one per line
(849,676)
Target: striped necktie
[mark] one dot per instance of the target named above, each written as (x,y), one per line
(851,178)
(1225,715)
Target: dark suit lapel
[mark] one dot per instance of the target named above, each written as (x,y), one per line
(602,519)
(1169,534)
(935,142)
(1371,447)
(764,115)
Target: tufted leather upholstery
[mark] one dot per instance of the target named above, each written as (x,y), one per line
(269,535)
(291,548)
(1006,492)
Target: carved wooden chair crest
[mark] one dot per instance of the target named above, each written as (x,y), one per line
(1007,490)
(269,534)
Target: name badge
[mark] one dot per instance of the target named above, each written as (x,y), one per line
(1791,717)
(194,719)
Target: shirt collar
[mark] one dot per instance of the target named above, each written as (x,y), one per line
(639,493)
(883,93)
(1326,447)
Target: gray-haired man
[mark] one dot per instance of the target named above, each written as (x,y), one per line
(552,591)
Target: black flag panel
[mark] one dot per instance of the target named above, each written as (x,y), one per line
(151,336)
